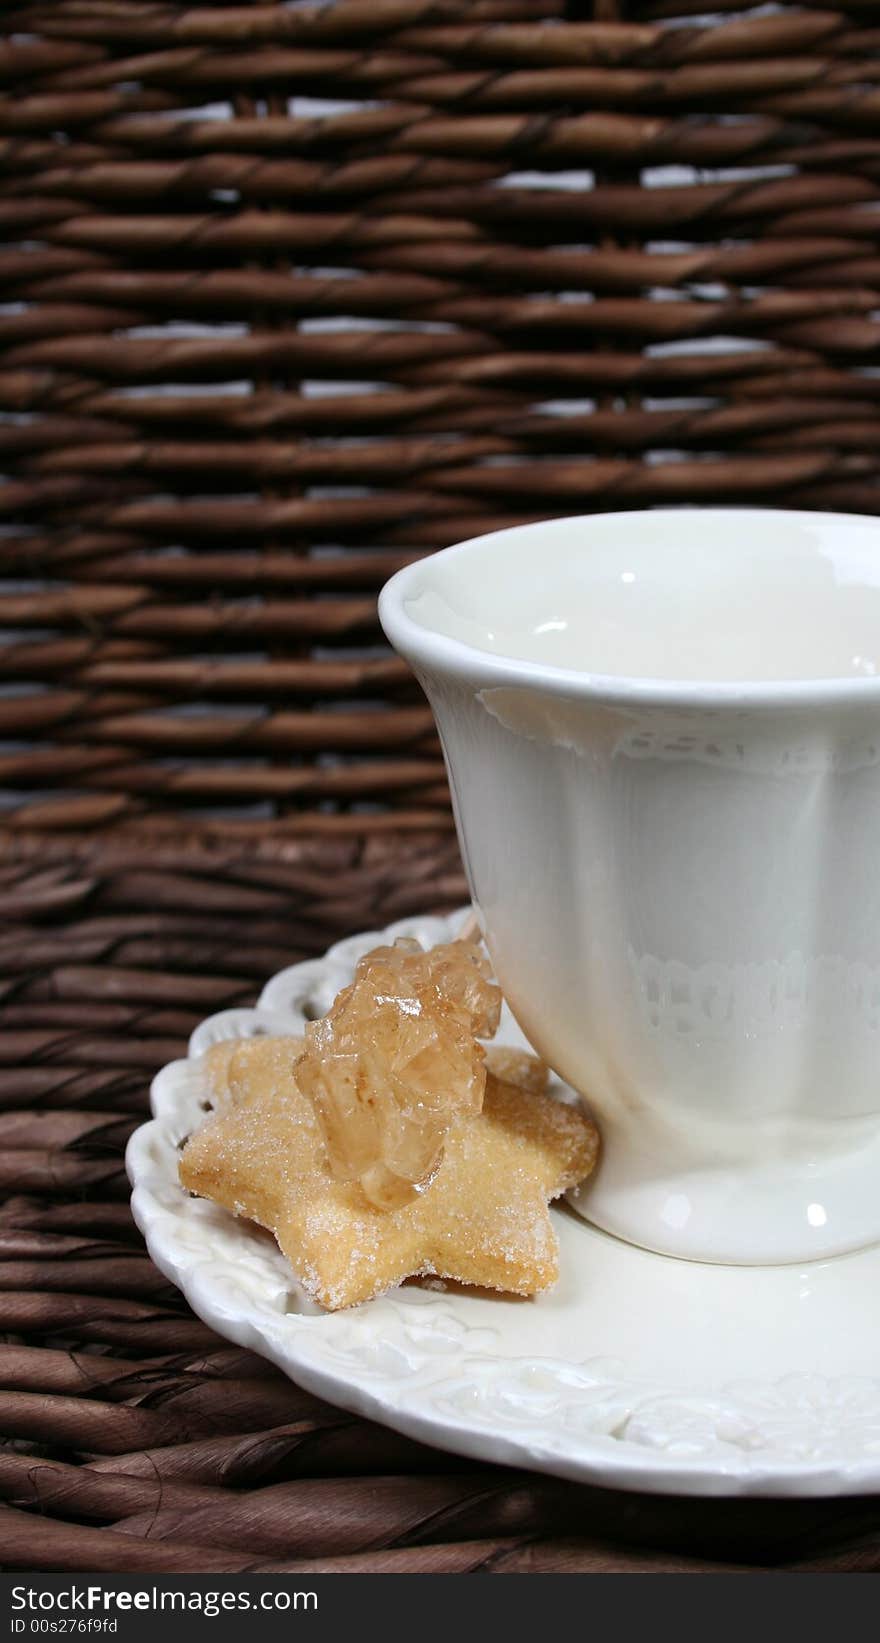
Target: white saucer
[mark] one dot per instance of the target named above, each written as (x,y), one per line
(637,1372)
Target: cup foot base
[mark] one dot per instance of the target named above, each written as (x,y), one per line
(763,1216)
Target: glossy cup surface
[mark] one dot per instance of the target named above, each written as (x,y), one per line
(663,737)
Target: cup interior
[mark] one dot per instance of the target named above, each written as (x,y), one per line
(702,594)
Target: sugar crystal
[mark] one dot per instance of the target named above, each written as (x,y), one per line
(396,1061)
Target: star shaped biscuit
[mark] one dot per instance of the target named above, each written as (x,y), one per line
(483,1220)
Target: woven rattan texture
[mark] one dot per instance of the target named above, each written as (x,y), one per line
(137,1440)
(293,293)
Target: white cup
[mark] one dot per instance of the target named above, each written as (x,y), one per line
(662,731)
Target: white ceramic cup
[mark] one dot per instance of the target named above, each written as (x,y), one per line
(662,731)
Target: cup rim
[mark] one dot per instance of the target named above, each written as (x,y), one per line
(439,652)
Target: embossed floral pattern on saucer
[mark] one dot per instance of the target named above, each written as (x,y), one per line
(638,1371)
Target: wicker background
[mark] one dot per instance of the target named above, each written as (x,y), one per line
(294,293)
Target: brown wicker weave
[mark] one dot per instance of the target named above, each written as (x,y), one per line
(219,218)
(136,1439)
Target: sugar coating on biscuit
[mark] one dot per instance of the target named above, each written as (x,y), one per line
(483,1220)
(232,1066)
(519,1067)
